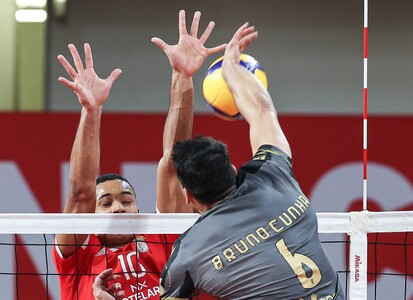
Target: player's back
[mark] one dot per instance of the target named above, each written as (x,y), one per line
(261,242)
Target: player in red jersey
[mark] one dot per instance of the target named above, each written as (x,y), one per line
(138,259)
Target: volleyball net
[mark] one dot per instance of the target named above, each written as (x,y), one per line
(372,251)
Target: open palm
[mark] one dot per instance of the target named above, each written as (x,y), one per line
(190,53)
(91,90)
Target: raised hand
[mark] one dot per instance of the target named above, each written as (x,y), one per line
(91,90)
(189,54)
(242,38)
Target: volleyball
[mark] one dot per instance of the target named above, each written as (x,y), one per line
(216,92)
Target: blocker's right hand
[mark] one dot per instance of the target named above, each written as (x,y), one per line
(190,53)
(91,90)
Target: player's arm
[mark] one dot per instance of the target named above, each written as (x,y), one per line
(252,99)
(185,58)
(92,92)
(176,282)
(178,126)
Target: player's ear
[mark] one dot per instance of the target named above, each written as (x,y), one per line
(189,199)
(235,169)
(193,202)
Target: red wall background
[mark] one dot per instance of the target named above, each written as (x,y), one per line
(39,142)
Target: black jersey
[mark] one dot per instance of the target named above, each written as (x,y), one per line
(261,242)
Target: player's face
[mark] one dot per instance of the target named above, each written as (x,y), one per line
(115,196)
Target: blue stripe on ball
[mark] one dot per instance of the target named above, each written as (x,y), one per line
(250,66)
(214,67)
(237,116)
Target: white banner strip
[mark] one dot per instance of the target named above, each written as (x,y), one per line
(334,222)
(97,223)
(400,221)
(51,223)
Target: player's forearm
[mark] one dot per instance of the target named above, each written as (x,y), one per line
(251,97)
(84,160)
(255,105)
(178,125)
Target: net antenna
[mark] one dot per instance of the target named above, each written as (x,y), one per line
(358,254)
(365,102)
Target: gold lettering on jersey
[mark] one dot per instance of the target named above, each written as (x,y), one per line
(271,223)
(293,212)
(300,205)
(251,237)
(217,262)
(287,218)
(262,154)
(304,200)
(262,233)
(229,254)
(259,157)
(244,249)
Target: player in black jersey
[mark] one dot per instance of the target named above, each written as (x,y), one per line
(257,236)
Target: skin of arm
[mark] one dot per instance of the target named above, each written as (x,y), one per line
(252,99)
(178,126)
(185,58)
(92,92)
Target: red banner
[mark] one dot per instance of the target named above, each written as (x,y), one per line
(327,154)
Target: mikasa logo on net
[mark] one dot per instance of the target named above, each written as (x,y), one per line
(357,263)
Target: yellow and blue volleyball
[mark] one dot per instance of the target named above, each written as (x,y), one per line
(216,92)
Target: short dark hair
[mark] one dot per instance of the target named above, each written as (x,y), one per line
(203,167)
(114,176)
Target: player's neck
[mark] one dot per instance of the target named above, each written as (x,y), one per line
(220,198)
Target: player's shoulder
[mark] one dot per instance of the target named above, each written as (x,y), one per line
(267,155)
(190,232)
(270,152)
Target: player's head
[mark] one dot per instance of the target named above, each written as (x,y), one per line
(114,194)
(204,169)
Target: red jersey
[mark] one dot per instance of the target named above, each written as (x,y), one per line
(139,264)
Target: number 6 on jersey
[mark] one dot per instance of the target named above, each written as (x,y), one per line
(296,262)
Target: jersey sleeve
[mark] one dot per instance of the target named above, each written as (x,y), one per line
(176,282)
(74,263)
(266,154)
